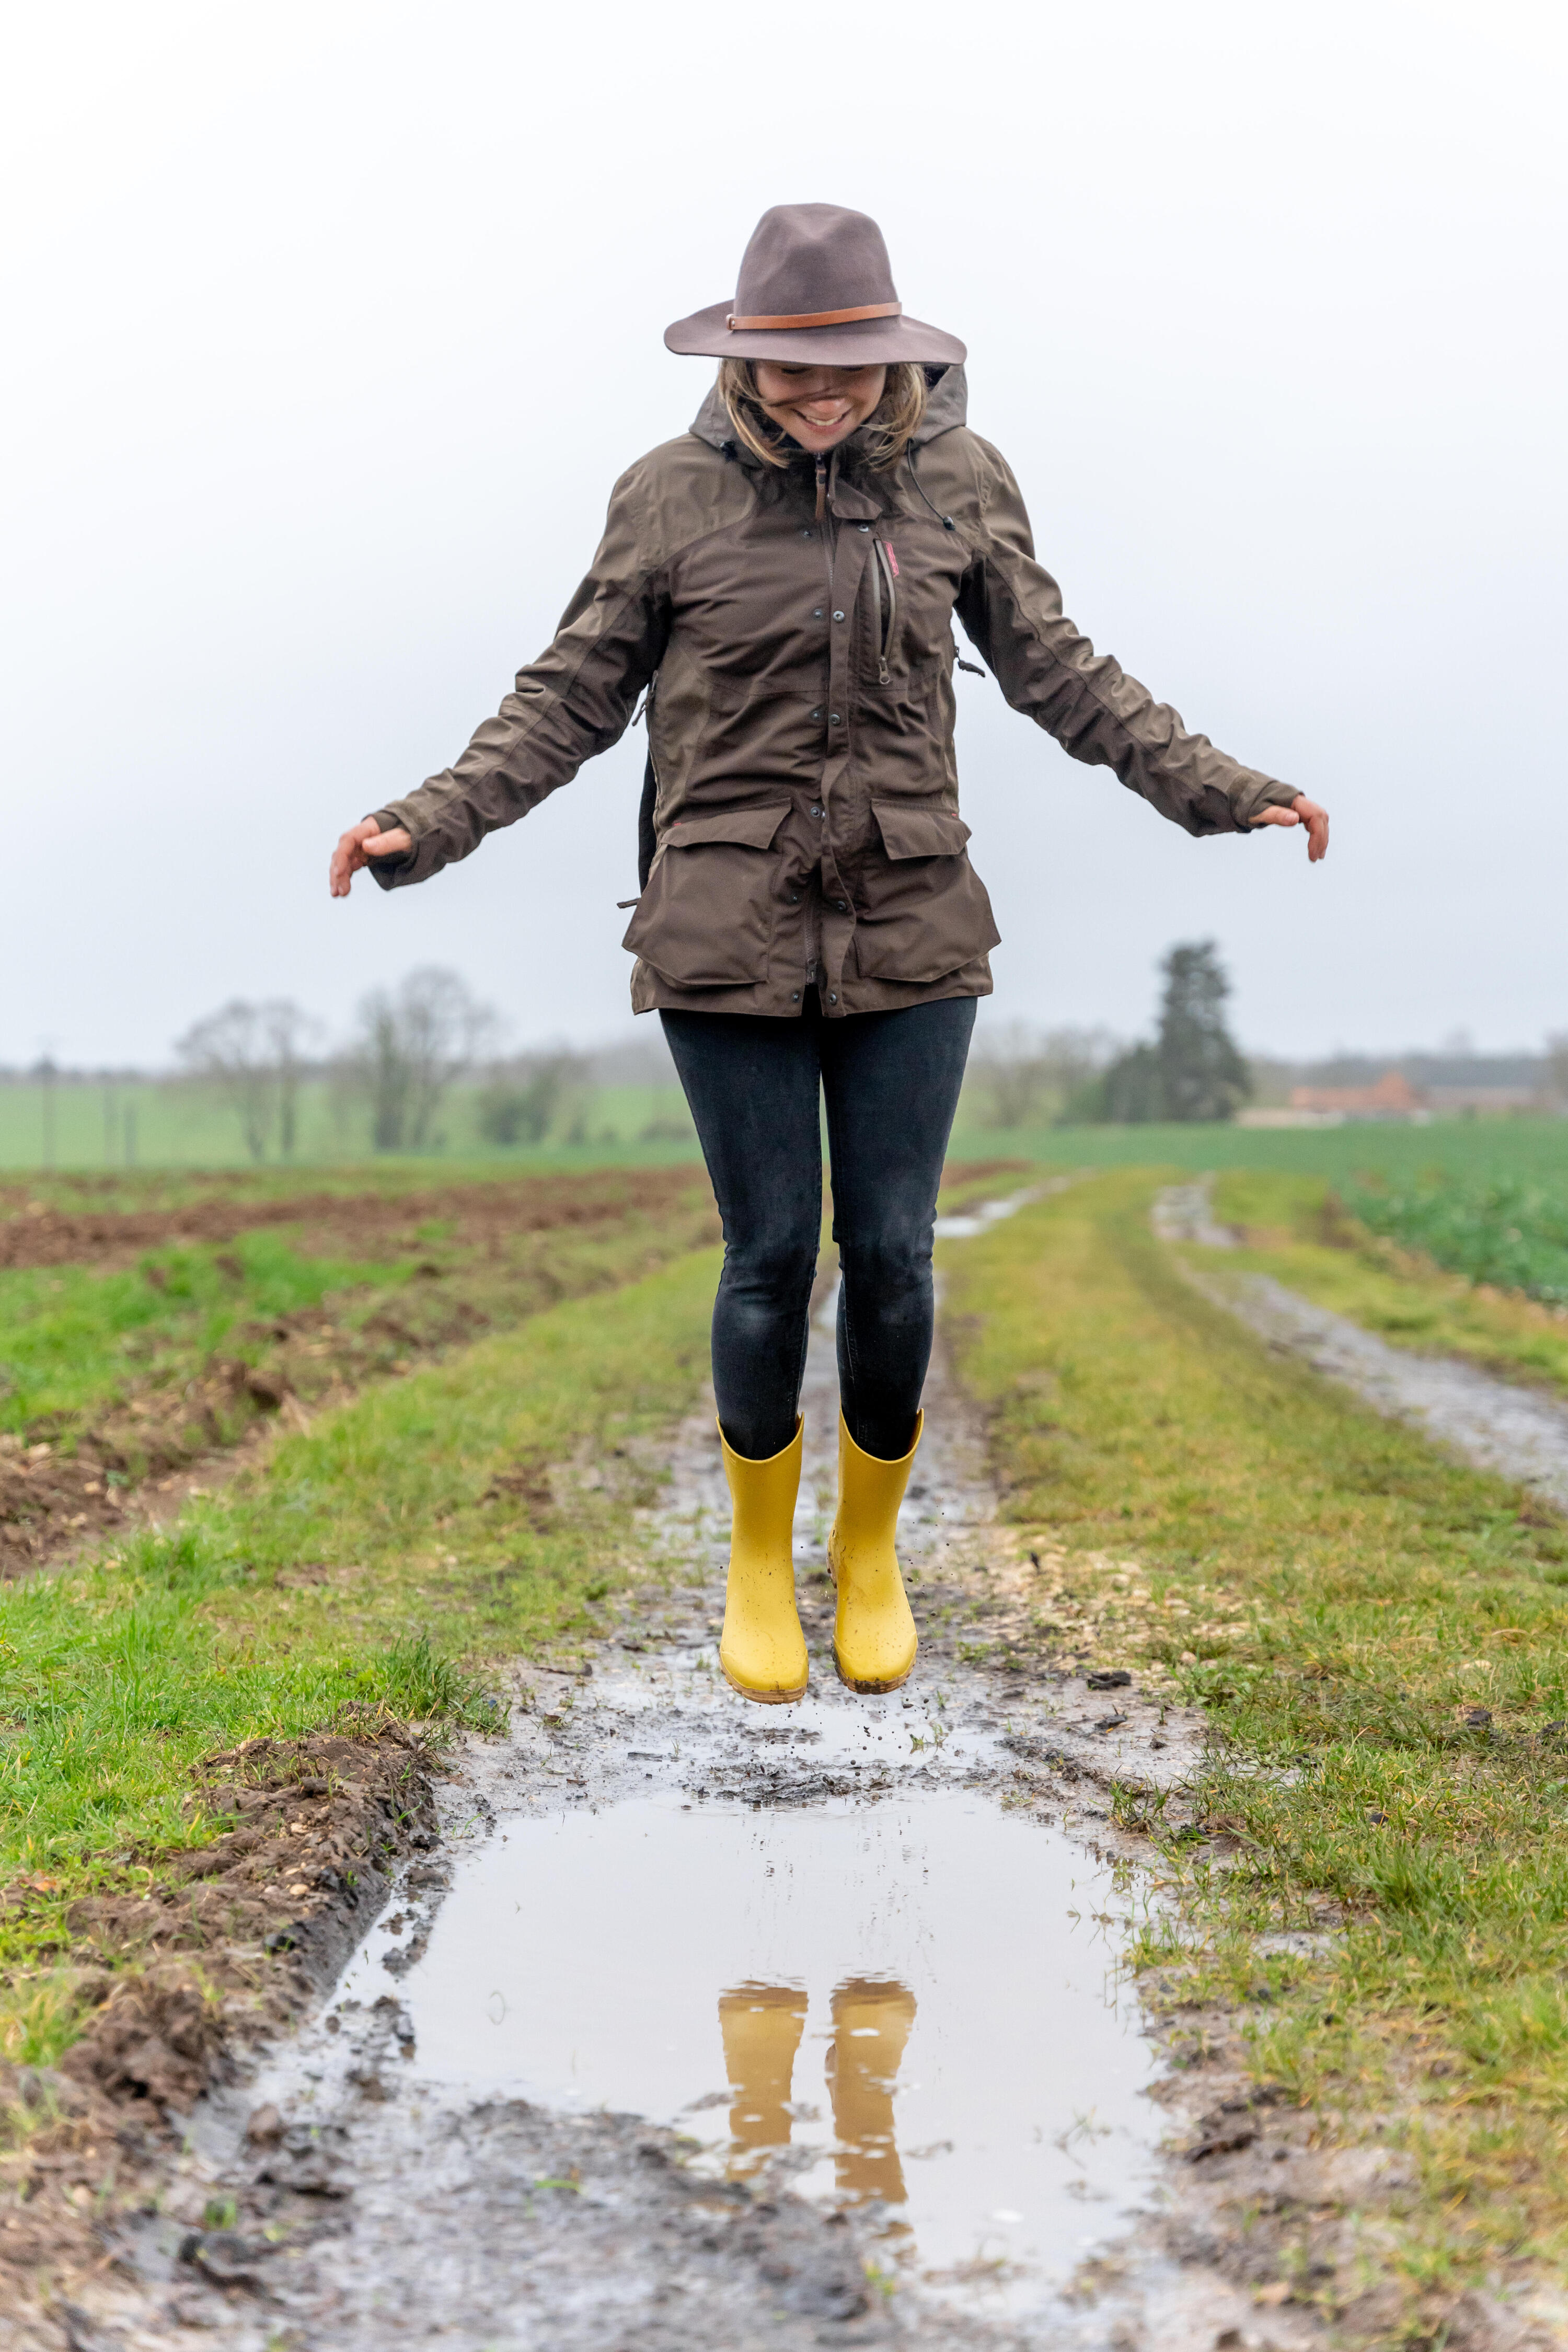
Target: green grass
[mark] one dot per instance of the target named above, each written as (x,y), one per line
(135,1359)
(69,1335)
(180,1123)
(1295,1230)
(376,1561)
(1379,1629)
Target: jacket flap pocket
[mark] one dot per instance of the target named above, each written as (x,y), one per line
(920,831)
(752,828)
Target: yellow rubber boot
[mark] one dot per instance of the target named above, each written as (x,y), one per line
(874,1639)
(762,1649)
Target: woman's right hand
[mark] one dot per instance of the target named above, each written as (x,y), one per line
(358,846)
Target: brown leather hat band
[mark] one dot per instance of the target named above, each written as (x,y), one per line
(821,318)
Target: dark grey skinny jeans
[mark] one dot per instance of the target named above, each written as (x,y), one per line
(890,1081)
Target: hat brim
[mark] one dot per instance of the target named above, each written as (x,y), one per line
(866,342)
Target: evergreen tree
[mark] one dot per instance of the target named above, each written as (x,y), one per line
(1202,1073)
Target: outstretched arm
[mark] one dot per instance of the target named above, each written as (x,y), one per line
(573,701)
(1012,608)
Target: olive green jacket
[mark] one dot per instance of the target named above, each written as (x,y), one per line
(800,711)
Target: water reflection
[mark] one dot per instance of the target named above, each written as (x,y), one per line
(761,2026)
(579,1963)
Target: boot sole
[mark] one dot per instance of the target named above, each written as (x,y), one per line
(762,1698)
(872,1690)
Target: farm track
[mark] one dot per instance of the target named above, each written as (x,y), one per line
(1494,1423)
(358,2207)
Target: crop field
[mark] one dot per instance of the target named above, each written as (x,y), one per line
(298,1465)
(1509,1232)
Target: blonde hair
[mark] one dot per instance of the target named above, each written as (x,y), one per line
(892,424)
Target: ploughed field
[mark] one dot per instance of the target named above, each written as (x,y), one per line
(142,1337)
(416,1433)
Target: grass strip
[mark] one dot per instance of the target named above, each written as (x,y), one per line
(1296,1228)
(482,1505)
(1381,1638)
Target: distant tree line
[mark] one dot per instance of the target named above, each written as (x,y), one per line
(1193,1069)
(410,1042)
(410,1046)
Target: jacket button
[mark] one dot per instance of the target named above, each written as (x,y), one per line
(817,614)
(839,904)
(807,531)
(864,526)
(794,996)
(816,812)
(834,719)
(831,998)
(817,714)
(794,897)
(838,617)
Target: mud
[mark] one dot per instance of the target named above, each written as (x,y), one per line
(363,1226)
(1493,1424)
(212,1948)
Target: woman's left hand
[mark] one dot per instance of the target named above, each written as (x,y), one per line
(1301,811)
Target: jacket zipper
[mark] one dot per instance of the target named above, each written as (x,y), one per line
(885,596)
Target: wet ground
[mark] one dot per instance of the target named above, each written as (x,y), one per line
(707,2025)
(1494,1423)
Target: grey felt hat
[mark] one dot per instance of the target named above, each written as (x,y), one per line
(815,288)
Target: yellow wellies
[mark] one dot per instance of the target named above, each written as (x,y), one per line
(762,1649)
(874,1639)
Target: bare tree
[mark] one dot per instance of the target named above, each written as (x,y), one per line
(1020,1076)
(289,1032)
(229,1050)
(524,1095)
(1556,1088)
(250,1056)
(412,1042)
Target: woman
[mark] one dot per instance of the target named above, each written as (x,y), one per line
(781,583)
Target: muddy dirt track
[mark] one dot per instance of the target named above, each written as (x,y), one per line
(675,2171)
(1497,1424)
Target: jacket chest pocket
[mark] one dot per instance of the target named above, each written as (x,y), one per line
(706,918)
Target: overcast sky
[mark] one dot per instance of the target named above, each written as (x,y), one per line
(330,327)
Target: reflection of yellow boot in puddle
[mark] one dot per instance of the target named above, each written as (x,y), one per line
(761,2026)
(874,1639)
(871,2024)
(762,1649)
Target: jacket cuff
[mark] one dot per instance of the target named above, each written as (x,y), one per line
(390,871)
(1267,793)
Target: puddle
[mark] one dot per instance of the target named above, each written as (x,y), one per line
(912,2001)
(970,1223)
(849,1972)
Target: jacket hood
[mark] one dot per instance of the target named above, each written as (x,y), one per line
(947,405)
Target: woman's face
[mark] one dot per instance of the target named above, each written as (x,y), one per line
(818,406)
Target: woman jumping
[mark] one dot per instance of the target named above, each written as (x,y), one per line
(781,582)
